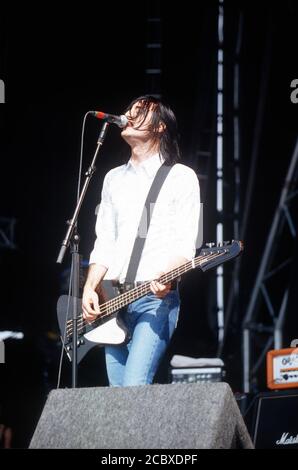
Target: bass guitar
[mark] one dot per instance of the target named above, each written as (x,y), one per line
(108,328)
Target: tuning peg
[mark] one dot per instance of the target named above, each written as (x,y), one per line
(210,244)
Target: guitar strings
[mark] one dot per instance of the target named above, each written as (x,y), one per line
(124,299)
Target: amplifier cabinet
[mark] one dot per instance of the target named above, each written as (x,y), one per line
(276,420)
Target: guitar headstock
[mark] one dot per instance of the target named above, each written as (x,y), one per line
(215,254)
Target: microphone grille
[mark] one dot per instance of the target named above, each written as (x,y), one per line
(123,121)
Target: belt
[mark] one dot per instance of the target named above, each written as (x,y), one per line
(125,286)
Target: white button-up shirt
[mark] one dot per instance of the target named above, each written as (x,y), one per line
(173,227)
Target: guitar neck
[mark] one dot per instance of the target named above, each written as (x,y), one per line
(207,259)
(134,294)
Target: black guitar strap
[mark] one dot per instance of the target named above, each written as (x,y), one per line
(139,243)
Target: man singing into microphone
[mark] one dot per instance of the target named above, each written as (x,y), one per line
(151,133)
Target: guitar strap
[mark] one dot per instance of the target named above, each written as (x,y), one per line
(139,243)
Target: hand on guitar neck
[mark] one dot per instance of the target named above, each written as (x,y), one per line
(159,289)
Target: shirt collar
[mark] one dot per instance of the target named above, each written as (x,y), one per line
(150,165)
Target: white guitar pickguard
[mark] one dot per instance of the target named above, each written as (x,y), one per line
(107,333)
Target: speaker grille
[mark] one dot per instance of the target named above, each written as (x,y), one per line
(184,416)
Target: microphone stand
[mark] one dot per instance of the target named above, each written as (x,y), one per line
(72,237)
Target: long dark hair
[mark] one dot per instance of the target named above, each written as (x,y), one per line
(161,113)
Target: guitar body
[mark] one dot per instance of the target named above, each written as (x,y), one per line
(108,330)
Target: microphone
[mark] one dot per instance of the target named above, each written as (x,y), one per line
(120,121)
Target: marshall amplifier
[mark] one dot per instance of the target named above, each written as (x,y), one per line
(276,420)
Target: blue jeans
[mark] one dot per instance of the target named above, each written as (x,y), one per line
(151,323)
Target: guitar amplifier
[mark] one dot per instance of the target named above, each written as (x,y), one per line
(276,420)
(191,370)
(282,368)
(199,374)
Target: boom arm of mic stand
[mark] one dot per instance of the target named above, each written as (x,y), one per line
(72,222)
(72,236)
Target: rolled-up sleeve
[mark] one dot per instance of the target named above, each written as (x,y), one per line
(103,250)
(187,215)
